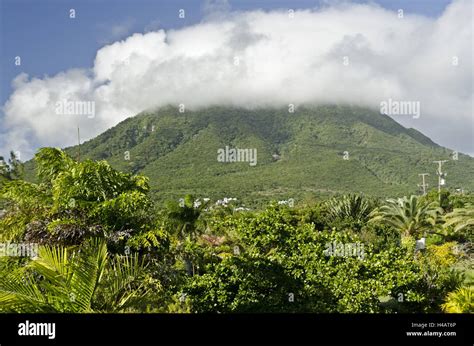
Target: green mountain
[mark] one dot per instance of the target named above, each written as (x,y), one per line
(311,152)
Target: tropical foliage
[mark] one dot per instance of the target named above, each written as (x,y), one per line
(462,219)
(105,246)
(72,201)
(460,301)
(410,216)
(64,280)
(348,211)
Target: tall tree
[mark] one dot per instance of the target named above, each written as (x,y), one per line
(185,217)
(74,201)
(410,216)
(12,170)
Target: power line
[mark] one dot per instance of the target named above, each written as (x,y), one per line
(441,176)
(423,185)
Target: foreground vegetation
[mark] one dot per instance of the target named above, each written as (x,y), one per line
(106,247)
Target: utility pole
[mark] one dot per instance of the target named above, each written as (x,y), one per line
(78,145)
(423,185)
(441,176)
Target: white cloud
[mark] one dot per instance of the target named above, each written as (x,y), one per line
(281,61)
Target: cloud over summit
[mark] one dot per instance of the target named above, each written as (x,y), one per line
(265,59)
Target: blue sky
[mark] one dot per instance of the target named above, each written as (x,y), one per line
(41,33)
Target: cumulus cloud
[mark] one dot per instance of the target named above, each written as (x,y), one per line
(347,53)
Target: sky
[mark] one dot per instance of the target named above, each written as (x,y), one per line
(125,56)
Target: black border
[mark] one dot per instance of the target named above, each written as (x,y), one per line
(240,329)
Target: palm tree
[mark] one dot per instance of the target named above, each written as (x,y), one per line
(460,301)
(353,207)
(461,218)
(185,217)
(187,221)
(84,279)
(410,216)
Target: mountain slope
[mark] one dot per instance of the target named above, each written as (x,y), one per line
(313,151)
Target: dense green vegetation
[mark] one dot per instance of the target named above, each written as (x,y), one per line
(106,246)
(178,152)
